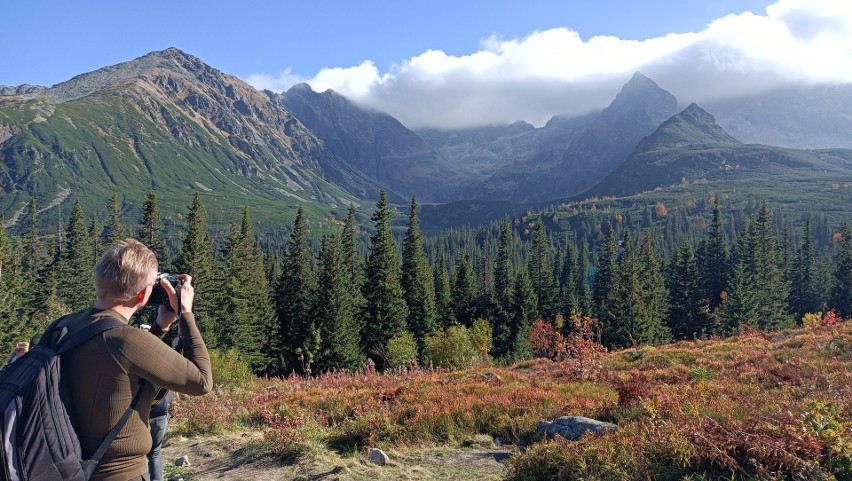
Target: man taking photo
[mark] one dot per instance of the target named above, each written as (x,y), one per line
(106,372)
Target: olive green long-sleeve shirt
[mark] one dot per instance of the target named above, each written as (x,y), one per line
(104,374)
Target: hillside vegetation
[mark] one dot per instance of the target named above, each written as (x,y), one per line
(754,406)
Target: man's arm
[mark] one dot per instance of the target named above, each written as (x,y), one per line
(148,357)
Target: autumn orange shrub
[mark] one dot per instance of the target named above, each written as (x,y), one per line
(762,406)
(758,406)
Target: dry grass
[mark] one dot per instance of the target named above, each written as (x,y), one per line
(761,406)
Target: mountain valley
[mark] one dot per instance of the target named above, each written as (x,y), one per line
(167,122)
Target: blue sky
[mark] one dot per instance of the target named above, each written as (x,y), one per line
(403,56)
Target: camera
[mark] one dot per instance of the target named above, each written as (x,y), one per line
(159,295)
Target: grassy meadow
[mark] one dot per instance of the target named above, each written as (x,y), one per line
(755,406)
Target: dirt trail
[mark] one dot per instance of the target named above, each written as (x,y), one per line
(229,457)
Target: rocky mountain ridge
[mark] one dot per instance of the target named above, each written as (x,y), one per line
(166,122)
(169,122)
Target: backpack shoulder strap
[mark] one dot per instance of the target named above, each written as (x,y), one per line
(92,463)
(66,344)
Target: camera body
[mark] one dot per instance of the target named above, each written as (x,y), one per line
(158,295)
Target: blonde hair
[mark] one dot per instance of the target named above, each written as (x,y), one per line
(126,268)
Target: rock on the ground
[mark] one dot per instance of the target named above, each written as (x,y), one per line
(377,456)
(182,461)
(573,428)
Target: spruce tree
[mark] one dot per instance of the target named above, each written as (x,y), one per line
(541,273)
(295,294)
(714,263)
(195,257)
(503,291)
(115,230)
(605,278)
(805,292)
(758,293)
(417,284)
(771,275)
(624,304)
(335,312)
(524,312)
(570,301)
(654,309)
(841,293)
(464,291)
(585,305)
(686,317)
(10,285)
(96,233)
(385,312)
(353,262)
(443,296)
(250,312)
(76,268)
(34,253)
(33,263)
(150,231)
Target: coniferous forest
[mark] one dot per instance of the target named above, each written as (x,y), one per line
(403,298)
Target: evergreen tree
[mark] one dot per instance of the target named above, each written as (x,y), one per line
(841,294)
(417,283)
(623,306)
(115,231)
(503,292)
(10,285)
(741,304)
(150,231)
(541,273)
(443,296)
(76,268)
(464,291)
(585,305)
(605,278)
(195,257)
(335,312)
(33,262)
(758,294)
(96,232)
(568,281)
(524,312)
(686,316)
(806,294)
(654,308)
(354,263)
(294,298)
(714,262)
(246,301)
(34,253)
(771,275)
(385,313)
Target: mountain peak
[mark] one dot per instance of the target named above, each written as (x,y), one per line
(639,78)
(173,60)
(693,125)
(301,87)
(640,86)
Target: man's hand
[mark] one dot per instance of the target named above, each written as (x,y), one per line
(168,314)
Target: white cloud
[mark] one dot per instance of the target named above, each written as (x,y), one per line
(556,72)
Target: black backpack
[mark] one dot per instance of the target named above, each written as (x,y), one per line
(36,412)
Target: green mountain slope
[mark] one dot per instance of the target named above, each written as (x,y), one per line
(170,124)
(691,147)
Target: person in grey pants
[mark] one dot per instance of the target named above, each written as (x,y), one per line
(159,421)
